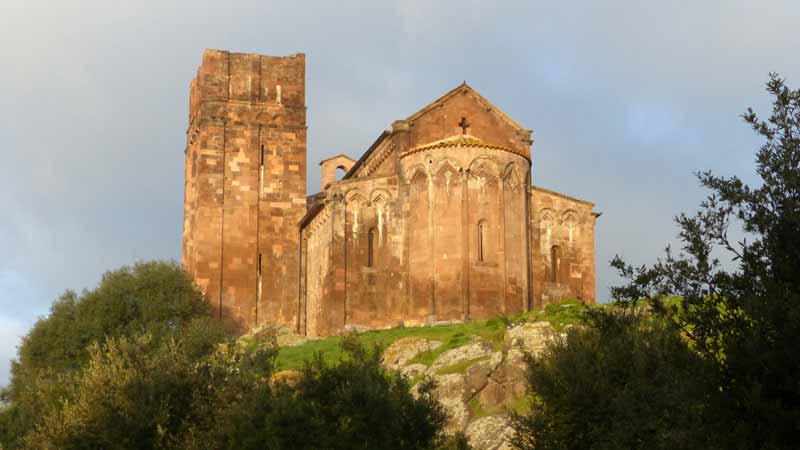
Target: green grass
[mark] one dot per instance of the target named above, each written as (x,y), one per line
(451,336)
(520,405)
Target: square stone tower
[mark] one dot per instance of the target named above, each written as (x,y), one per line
(245,184)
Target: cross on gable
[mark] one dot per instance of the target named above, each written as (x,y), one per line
(464,125)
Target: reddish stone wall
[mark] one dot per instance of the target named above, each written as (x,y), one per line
(246,183)
(437,222)
(568,225)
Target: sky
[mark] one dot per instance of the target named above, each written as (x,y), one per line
(626,101)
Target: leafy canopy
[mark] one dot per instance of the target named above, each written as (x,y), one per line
(747,319)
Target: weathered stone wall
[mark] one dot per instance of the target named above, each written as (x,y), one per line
(467,224)
(437,222)
(246,183)
(330,166)
(562,244)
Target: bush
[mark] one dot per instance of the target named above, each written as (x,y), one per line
(154,298)
(625,380)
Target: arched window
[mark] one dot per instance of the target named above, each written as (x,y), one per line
(371,248)
(482,240)
(554,264)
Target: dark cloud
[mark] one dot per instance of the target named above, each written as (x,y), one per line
(626,100)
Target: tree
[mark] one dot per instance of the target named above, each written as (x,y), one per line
(352,404)
(156,298)
(135,394)
(746,320)
(719,368)
(624,380)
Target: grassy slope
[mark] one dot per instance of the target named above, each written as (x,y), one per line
(455,335)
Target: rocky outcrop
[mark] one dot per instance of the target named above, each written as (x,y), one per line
(402,351)
(477,383)
(489,433)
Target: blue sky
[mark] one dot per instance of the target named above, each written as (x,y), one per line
(626,100)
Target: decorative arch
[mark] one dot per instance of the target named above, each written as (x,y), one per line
(569,215)
(547,215)
(446,164)
(416,173)
(355,196)
(483,167)
(511,176)
(570,220)
(380,196)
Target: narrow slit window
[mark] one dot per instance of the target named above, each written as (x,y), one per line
(554,264)
(481,241)
(261,157)
(371,248)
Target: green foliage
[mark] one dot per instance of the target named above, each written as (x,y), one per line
(156,298)
(135,394)
(454,335)
(623,381)
(746,320)
(352,404)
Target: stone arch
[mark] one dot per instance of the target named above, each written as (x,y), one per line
(569,219)
(547,221)
(415,172)
(355,196)
(547,215)
(380,196)
(569,215)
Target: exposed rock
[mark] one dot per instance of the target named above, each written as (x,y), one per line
(506,384)
(467,352)
(477,375)
(490,433)
(450,392)
(404,350)
(528,337)
(414,370)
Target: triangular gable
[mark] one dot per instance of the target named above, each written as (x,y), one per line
(464,87)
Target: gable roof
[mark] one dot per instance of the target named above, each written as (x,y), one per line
(462,88)
(465,88)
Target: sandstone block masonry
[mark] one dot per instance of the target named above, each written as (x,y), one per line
(245,188)
(436,222)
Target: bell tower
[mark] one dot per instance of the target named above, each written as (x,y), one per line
(245,184)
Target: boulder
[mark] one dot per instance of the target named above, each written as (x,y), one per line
(457,355)
(477,375)
(404,350)
(505,385)
(450,393)
(490,433)
(414,370)
(528,337)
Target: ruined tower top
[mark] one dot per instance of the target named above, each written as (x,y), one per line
(247,77)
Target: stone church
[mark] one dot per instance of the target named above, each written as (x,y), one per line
(437,221)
